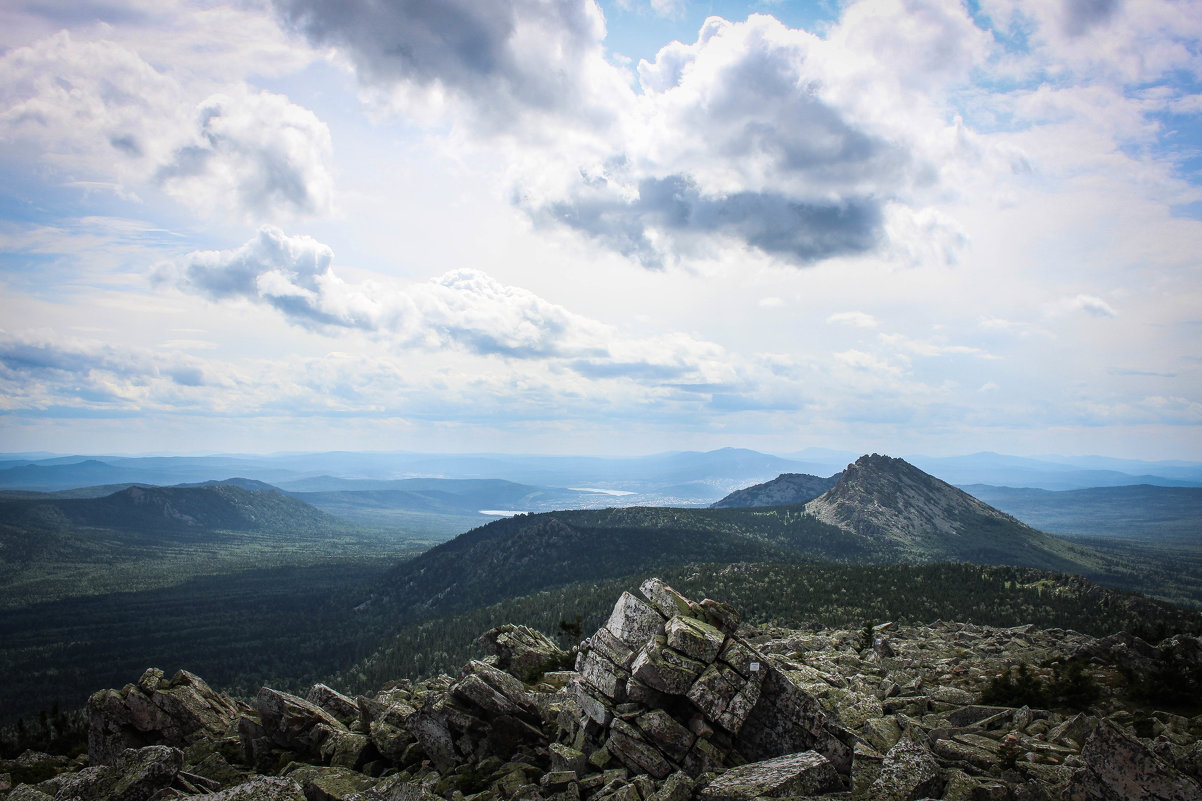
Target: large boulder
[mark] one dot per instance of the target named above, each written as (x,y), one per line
(176,713)
(136,775)
(289,721)
(666,685)
(908,772)
(807,773)
(522,652)
(1118,766)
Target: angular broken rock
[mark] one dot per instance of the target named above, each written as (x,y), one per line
(177,712)
(289,721)
(136,775)
(787,719)
(668,601)
(662,731)
(694,638)
(521,651)
(634,622)
(334,702)
(1119,766)
(661,668)
(262,788)
(908,772)
(806,773)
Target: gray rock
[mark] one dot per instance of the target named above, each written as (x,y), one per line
(1117,766)
(677,787)
(865,769)
(667,601)
(662,731)
(604,676)
(288,720)
(27,792)
(521,651)
(634,622)
(343,708)
(329,784)
(661,668)
(135,776)
(627,744)
(566,758)
(786,719)
(177,713)
(908,772)
(262,788)
(806,773)
(694,638)
(612,648)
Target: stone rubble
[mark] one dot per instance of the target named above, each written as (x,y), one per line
(669,701)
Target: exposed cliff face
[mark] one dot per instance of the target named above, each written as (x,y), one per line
(670,701)
(784,490)
(885,498)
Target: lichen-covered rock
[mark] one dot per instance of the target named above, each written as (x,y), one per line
(288,720)
(135,776)
(662,731)
(694,638)
(787,719)
(666,670)
(806,773)
(27,792)
(908,772)
(662,699)
(634,622)
(604,676)
(521,651)
(176,712)
(329,784)
(338,705)
(667,601)
(628,745)
(865,769)
(1118,766)
(262,788)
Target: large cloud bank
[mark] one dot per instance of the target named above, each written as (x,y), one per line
(755,136)
(97,110)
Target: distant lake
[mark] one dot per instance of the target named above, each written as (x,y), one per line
(602,491)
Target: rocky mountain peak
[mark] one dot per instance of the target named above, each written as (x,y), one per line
(883,497)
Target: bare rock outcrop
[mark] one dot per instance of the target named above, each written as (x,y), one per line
(156,711)
(669,701)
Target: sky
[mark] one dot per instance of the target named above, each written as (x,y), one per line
(601,227)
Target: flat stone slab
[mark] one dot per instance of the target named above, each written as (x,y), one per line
(807,773)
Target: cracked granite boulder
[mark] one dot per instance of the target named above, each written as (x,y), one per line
(666,685)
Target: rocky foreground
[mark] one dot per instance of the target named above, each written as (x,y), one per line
(669,701)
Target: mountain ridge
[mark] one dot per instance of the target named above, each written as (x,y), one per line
(881,510)
(785,489)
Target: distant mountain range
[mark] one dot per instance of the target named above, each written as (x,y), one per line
(881,510)
(204,508)
(676,478)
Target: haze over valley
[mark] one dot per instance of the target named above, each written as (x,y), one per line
(419,400)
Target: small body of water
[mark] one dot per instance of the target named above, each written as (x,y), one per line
(501,512)
(602,491)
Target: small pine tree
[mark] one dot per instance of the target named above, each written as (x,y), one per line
(867,635)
